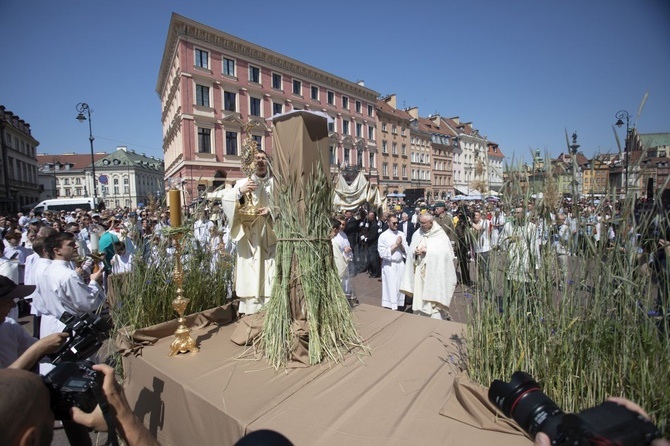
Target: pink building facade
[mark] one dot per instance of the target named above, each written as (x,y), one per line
(211,84)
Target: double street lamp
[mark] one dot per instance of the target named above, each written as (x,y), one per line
(620,116)
(82,108)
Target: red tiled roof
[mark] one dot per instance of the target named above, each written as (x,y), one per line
(384,107)
(78,160)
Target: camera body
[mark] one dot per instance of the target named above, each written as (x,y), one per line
(87,333)
(608,423)
(73,384)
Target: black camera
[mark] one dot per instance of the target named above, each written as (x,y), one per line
(87,333)
(606,424)
(73,384)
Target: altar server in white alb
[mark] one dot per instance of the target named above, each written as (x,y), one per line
(393,248)
(61,288)
(254,236)
(430,275)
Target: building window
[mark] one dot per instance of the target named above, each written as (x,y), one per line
(345,102)
(116,190)
(371,133)
(276,81)
(254,107)
(370,110)
(254,74)
(394,129)
(202,95)
(333,151)
(372,160)
(202,58)
(346,156)
(404,150)
(385,147)
(67,192)
(77,191)
(277,108)
(394,148)
(395,170)
(231,143)
(385,169)
(229,101)
(359,130)
(383,126)
(404,171)
(228,67)
(359,158)
(345,127)
(77,181)
(331,98)
(204,140)
(402,131)
(331,125)
(259,141)
(359,107)
(297,87)
(67,181)
(315,92)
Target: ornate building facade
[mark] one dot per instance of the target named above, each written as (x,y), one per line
(211,84)
(19,187)
(393,147)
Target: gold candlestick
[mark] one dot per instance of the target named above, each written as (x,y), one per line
(183,342)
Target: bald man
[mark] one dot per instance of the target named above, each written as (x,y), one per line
(26,402)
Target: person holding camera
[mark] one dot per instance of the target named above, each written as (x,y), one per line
(18,349)
(26,400)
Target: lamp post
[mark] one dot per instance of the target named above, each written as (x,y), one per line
(573,150)
(620,116)
(82,108)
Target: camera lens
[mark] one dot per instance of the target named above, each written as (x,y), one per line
(523,400)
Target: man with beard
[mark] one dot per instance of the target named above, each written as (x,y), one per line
(254,235)
(430,276)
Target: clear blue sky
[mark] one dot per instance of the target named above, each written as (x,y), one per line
(522,71)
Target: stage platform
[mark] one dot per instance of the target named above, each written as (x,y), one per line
(391,397)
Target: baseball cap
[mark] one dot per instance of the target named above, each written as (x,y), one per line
(10,290)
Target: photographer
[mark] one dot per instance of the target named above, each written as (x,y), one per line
(17,348)
(25,399)
(542,439)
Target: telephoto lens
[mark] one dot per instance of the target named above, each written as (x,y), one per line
(522,400)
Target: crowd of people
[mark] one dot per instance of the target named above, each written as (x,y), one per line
(420,254)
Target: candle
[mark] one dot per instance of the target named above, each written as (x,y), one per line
(174,197)
(95,241)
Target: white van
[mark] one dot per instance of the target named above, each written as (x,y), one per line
(68,204)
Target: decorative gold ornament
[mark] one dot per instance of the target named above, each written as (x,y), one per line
(248,160)
(183,343)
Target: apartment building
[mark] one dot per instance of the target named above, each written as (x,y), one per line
(211,84)
(393,146)
(420,155)
(19,187)
(124,178)
(442,159)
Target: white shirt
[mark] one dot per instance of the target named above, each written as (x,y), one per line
(66,291)
(14,341)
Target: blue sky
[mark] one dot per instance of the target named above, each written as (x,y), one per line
(522,71)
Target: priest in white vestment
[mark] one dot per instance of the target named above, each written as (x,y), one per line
(393,248)
(254,236)
(430,275)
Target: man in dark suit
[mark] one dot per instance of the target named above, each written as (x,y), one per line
(371,232)
(406,227)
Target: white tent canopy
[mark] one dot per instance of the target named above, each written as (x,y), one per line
(359,192)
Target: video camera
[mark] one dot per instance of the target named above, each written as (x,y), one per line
(606,424)
(73,384)
(87,333)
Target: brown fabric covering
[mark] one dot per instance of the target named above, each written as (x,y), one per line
(248,329)
(299,145)
(132,341)
(391,398)
(468,403)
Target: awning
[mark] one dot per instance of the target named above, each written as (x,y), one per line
(460,191)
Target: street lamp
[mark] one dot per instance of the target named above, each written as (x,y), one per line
(573,150)
(620,116)
(82,108)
